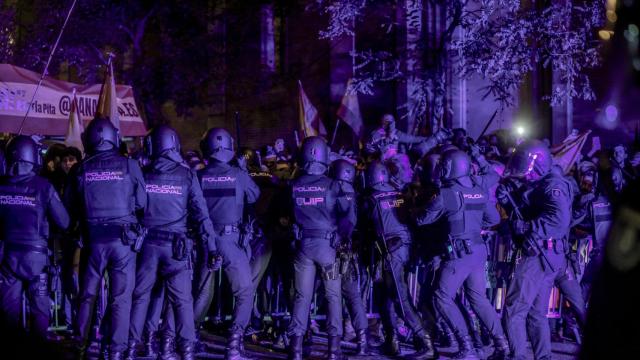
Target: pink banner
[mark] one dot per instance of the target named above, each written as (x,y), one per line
(49,114)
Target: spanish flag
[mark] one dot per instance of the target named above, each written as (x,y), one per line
(108,101)
(569,151)
(310,122)
(349,111)
(75,129)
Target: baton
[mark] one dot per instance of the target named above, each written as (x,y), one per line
(486,127)
(530,241)
(387,255)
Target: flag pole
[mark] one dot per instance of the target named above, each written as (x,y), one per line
(295,133)
(46,66)
(300,110)
(110,56)
(335,131)
(353,69)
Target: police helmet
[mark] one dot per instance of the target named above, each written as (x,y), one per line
(428,173)
(99,132)
(314,151)
(454,164)
(161,139)
(531,158)
(377,174)
(217,143)
(23,148)
(343,170)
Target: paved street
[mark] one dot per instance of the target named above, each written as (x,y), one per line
(215,350)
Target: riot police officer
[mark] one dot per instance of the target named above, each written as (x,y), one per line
(344,173)
(592,213)
(260,228)
(319,205)
(542,212)
(389,212)
(174,194)
(568,278)
(227,189)
(465,206)
(429,251)
(27,203)
(106,192)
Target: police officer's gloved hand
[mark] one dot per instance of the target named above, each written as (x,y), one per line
(502,194)
(215,261)
(242,162)
(585,199)
(434,264)
(476,154)
(520,227)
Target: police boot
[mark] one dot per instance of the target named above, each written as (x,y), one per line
(391,344)
(335,352)
(234,348)
(478,344)
(116,355)
(501,348)
(186,352)
(167,351)
(295,347)
(465,349)
(424,347)
(149,350)
(130,354)
(446,338)
(199,346)
(81,352)
(104,351)
(362,343)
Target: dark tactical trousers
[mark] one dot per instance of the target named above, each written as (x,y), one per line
(119,261)
(352,295)
(315,253)
(527,304)
(570,288)
(156,261)
(426,298)
(156,305)
(399,258)
(24,271)
(237,268)
(590,271)
(467,270)
(261,250)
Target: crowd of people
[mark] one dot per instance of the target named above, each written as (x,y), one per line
(298,232)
